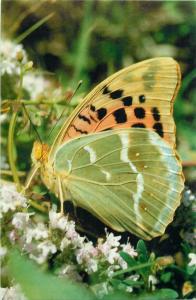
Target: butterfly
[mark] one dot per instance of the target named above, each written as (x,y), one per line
(115,155)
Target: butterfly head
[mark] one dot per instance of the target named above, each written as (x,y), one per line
(40,152)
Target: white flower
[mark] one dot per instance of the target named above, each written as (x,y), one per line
(192,257)
(129,289)
(112,241)
(36,85)
(10,198)
(112,256)
(77,241)
(64,243)
(11,53)
(9,68)
(12,293)
(44,248)
(110,247)
(69,271)
(37,233)
(111,269)
(3,251)
(122,263)
(20,220)
(92,266)
(3,160)
(57,220)
(129,249)
(47,247)
(85,253)
(152,281)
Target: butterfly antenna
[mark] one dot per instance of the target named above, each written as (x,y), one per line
(62,113)
(31,123)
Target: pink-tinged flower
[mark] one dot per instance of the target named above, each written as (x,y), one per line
(112,240)
(129,249)
(85,253)
(109,248)
(70,231)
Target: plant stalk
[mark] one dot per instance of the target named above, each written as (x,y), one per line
(134,268)
(11,145)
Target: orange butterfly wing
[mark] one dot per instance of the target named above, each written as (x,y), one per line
(141,95)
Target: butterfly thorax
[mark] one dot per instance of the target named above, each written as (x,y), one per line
(40,155)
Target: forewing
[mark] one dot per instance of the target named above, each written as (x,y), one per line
(140,95)
(129,178)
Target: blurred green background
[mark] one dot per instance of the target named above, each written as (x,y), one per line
(89,40)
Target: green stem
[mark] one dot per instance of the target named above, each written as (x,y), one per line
(32,28)
(37,206)
(11,148)
(134,268)
(9,173)
(11,145)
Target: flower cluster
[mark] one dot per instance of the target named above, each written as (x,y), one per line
(10,199)
(41,240)
(12,55)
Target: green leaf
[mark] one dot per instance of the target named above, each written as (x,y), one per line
(129,260)
(117,296)
(133,283)
(115,282)
(191,270)
(38,285)
(158,295)
(142,251)
(166,277)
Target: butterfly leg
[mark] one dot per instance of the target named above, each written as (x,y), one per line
(61,195)
(30,177)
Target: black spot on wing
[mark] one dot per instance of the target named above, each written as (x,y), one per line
(120,115)
(106,90)
(85,119)
(79,130)
(101,112)
(116,94)
(158,127)
(109,128)
(127,101)
(92,107)
(142,98)
(138,125)
(155,114)
(92,119)
(139,112)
